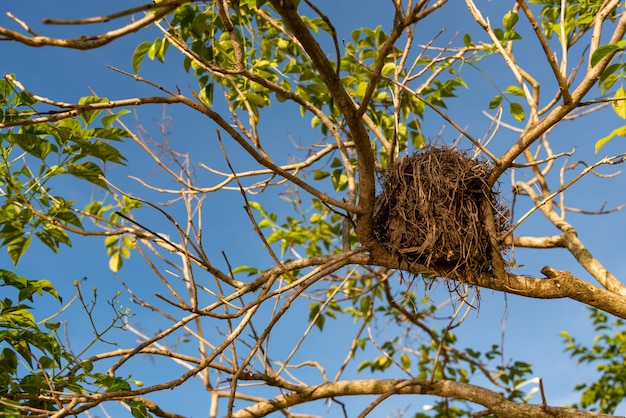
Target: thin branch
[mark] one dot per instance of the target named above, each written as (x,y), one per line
(560,78)
(90,42)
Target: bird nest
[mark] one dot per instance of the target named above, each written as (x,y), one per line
(431,211)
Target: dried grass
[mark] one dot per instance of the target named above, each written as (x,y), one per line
(429,212)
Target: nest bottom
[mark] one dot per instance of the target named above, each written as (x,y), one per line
(430,211)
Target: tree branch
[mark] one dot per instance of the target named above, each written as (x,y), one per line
(497,404)
(91,42)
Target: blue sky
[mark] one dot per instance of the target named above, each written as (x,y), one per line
(529,328)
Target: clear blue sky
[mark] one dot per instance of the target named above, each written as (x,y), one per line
(530,327)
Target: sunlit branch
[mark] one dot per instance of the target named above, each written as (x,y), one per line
(366,160)
(90,42)
(532,133)
(553,241)
(419,12)
(598,23)
(573,243)
(508,58)
(493,401)
(558,74)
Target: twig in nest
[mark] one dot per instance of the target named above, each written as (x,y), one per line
(431,211)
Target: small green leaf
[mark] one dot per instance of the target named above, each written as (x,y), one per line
(601,52)
(108,119)
(495,102)
(265,223)
(34,145)
(405,360)
(138,410)
(87,366)
(115,262)
(206,94)
(58,234)
(154,48)
(89,171)
(467,40)
(515,91)
(499,34)
(314,314)
(619,105)
(24,99)
(90,115)
(509,20)
(18,247)
(139,54)
(111,241)
(389,68)
(318,174)
(617,132)
(256,206)
(517,111)
(125,252)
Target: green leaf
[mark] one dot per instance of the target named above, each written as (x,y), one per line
(517,111)
(58,234)
(89,171)
(389,68)
(34,145)
(265,223)
(154,48)
(509,20)
(114,134)
(102,151)
(107,120)
(495,102)
(206,94)
(617,132)
(318,174)
(601,52)
(467,40)
(90,115)
(619,105)
(139,54)
(314,313)
(138,410)
(18,247)
(340,180)
(111,241)
(515,91)
(405,360)
(115,262)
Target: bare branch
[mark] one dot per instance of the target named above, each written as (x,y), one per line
(90,42)
(493,401)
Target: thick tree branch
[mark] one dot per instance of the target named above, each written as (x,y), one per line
(497,404)
(366,160)
(556,285)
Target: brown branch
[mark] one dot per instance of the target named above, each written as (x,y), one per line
(558,284)
(366,160)
(534,131)
(105,18)
(95,41)
(553,241)
(420,11)
(546,50)
(493,401)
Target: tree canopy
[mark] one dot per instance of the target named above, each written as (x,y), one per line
(351,194)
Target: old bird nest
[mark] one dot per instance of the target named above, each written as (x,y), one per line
(431,211)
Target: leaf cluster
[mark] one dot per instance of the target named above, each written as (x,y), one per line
(34,155)
(607,353)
